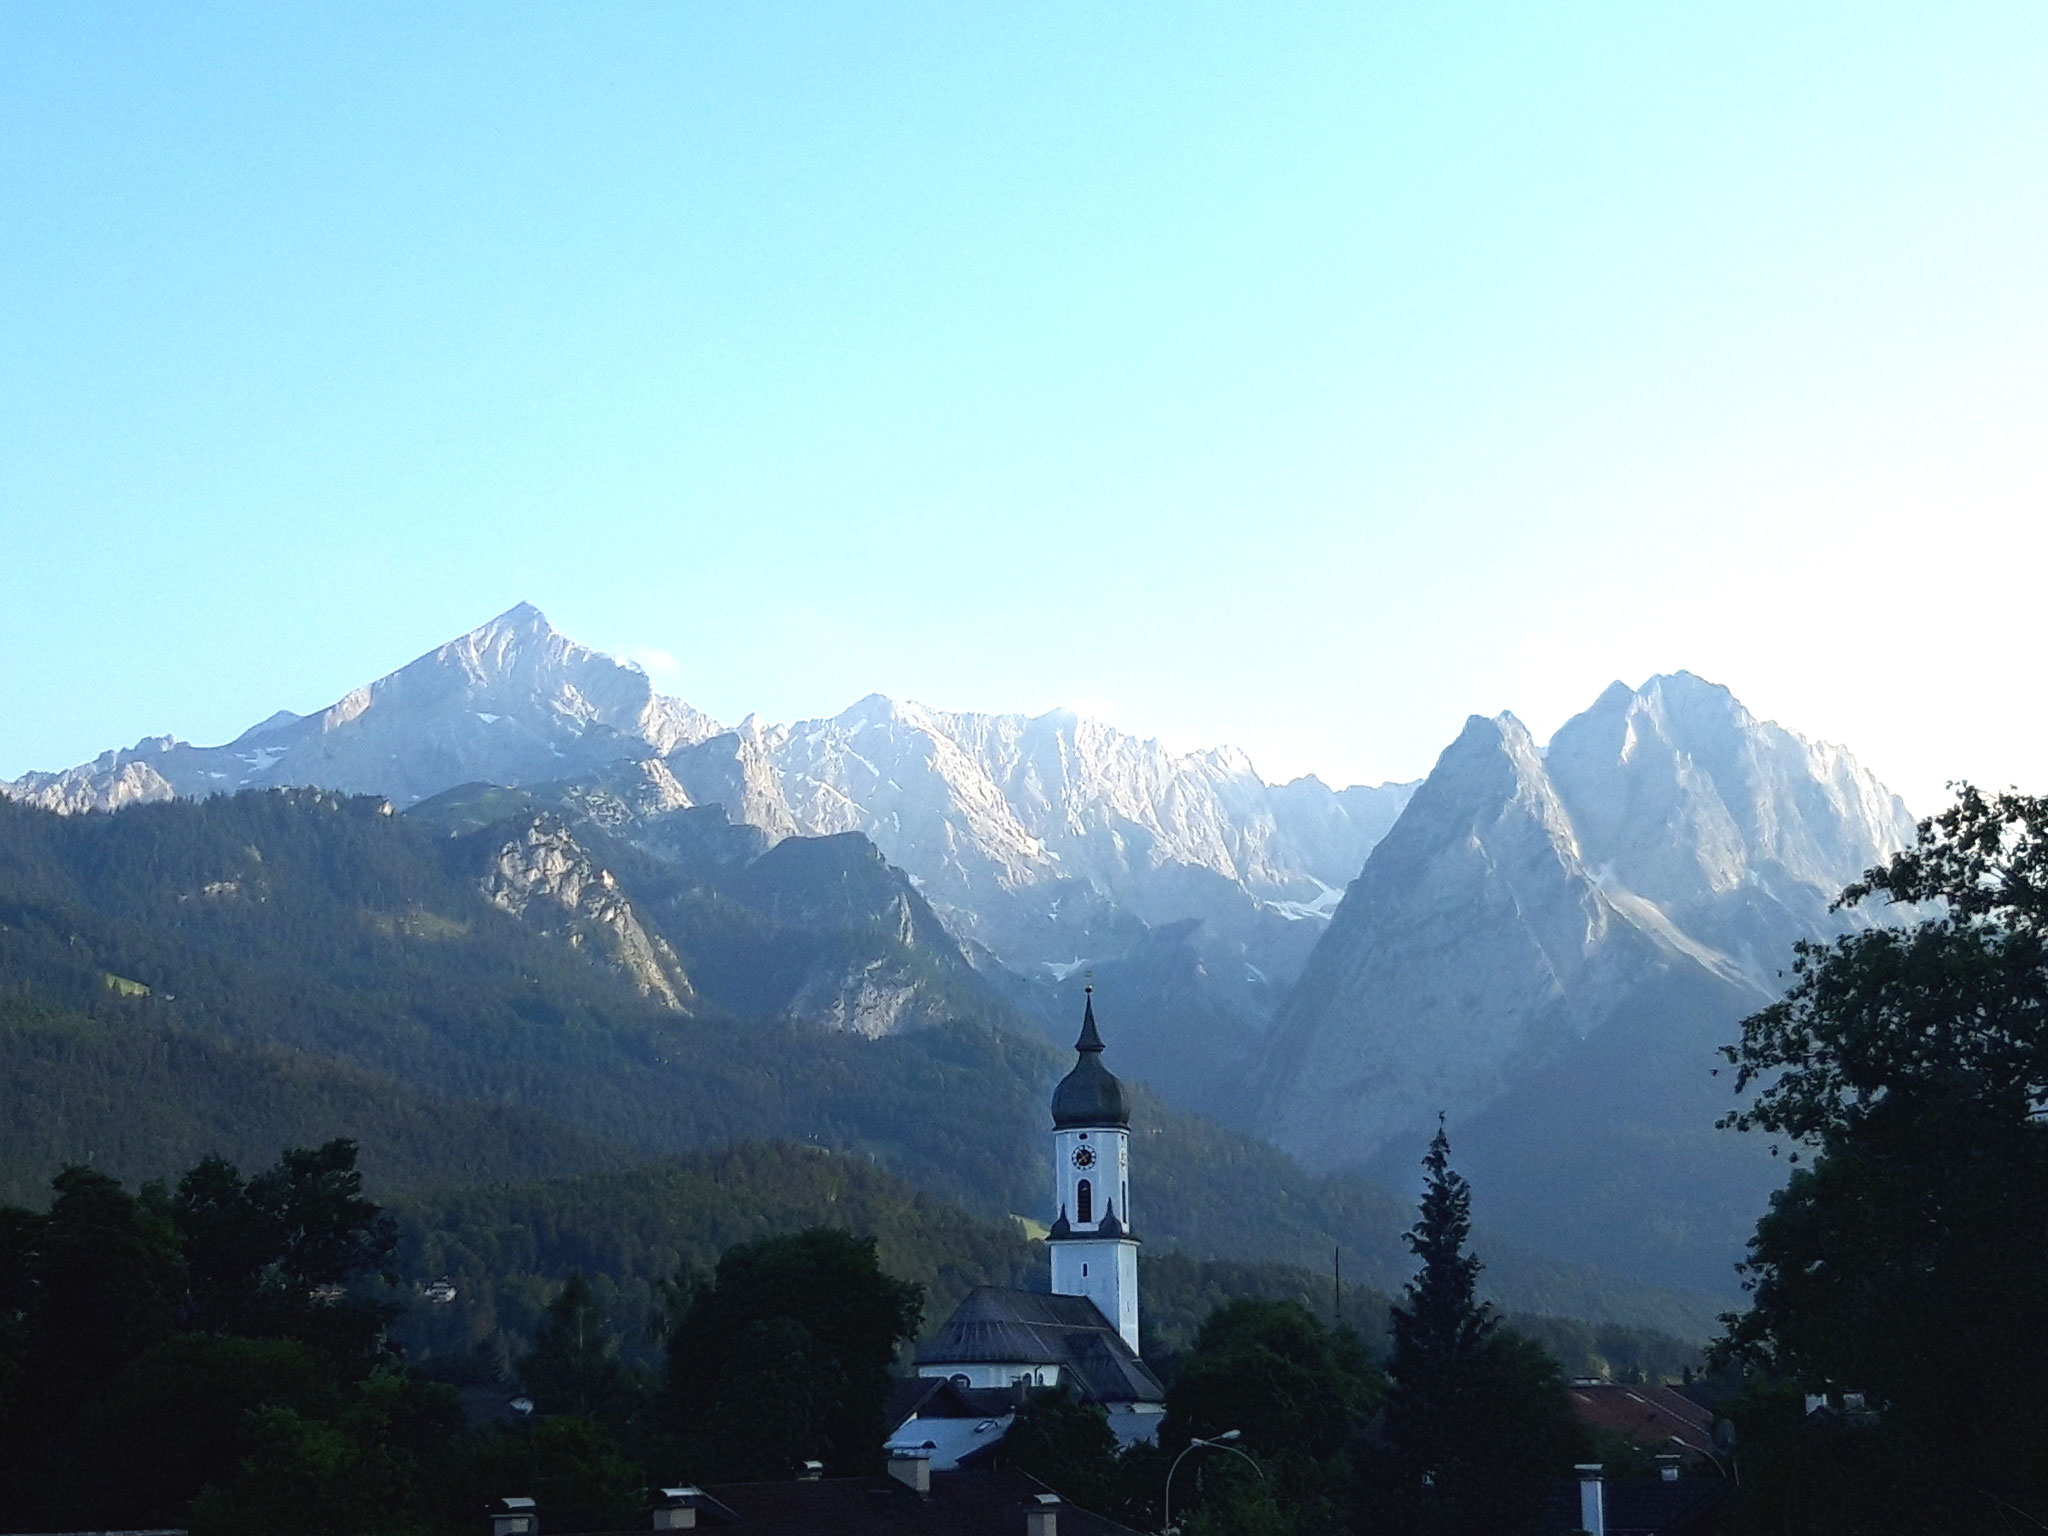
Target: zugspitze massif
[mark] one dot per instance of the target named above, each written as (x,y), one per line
(1546,943)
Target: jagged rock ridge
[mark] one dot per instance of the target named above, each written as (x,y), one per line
(539,872)
(701,913)
(1049,840)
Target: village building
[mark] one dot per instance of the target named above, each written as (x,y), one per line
(1084,1334)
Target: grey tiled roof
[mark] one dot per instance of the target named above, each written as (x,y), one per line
(998,1326)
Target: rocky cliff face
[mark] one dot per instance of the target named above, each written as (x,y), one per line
(1735,830)
(708,915)
(1594,920)
(1042,837)
(540,874)
(108,782)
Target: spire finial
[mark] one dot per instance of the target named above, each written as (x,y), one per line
(1090,1040)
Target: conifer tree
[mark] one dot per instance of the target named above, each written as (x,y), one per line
(574,1365)
(1477,1416)
(1440,1326)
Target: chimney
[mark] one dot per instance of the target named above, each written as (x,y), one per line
(677,1510)
(1592,1499)
(1042,1515)
(912,1467)
(1667,1468)
(810,1471)
(515,1517)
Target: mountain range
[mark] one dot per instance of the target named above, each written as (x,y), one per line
(1043,838)
(1544,943)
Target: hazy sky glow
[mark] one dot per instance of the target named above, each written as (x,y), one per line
(1305,380)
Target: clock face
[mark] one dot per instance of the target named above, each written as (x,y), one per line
(1084,1157)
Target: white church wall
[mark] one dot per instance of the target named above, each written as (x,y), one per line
(1101,1155)
(1105,1270)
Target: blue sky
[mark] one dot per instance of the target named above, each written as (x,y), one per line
(1305,378)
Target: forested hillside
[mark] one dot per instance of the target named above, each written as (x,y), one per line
(242,973)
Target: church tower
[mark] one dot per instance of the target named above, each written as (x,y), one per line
(1093,1252)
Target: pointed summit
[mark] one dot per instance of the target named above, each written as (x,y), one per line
(521,615)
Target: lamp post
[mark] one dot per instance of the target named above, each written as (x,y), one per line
(1678,1440)
(1220,1442)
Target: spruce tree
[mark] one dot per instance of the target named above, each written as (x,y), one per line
(1477,1416)
(574,1365)
(1440,1326)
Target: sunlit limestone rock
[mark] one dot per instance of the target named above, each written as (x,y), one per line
(544,877)
(1735,830)
(1032,833)
(735,769)
(108,782)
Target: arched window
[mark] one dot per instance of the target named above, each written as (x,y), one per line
(1084,1202)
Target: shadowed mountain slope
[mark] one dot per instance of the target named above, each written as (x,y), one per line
(344,971)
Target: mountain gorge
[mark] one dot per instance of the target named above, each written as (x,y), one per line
(1545,943)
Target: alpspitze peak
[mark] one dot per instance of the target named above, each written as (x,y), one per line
(521,616)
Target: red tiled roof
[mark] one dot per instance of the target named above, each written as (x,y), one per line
(1648,1416)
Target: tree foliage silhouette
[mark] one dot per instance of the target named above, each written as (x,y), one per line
(783,1355)
(1477,1417)
(1909,1066)
(574,1364)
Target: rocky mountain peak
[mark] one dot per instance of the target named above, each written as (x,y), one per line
(1683,796)
(513,701)
(1579,926)
(1492,772)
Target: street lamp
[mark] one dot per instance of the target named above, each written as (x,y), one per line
(1678,1440)
(1220,1442)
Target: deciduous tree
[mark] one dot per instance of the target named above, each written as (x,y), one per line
(801,1330)
(1908,1066)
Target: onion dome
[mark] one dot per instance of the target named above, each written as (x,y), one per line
(1090,1094)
